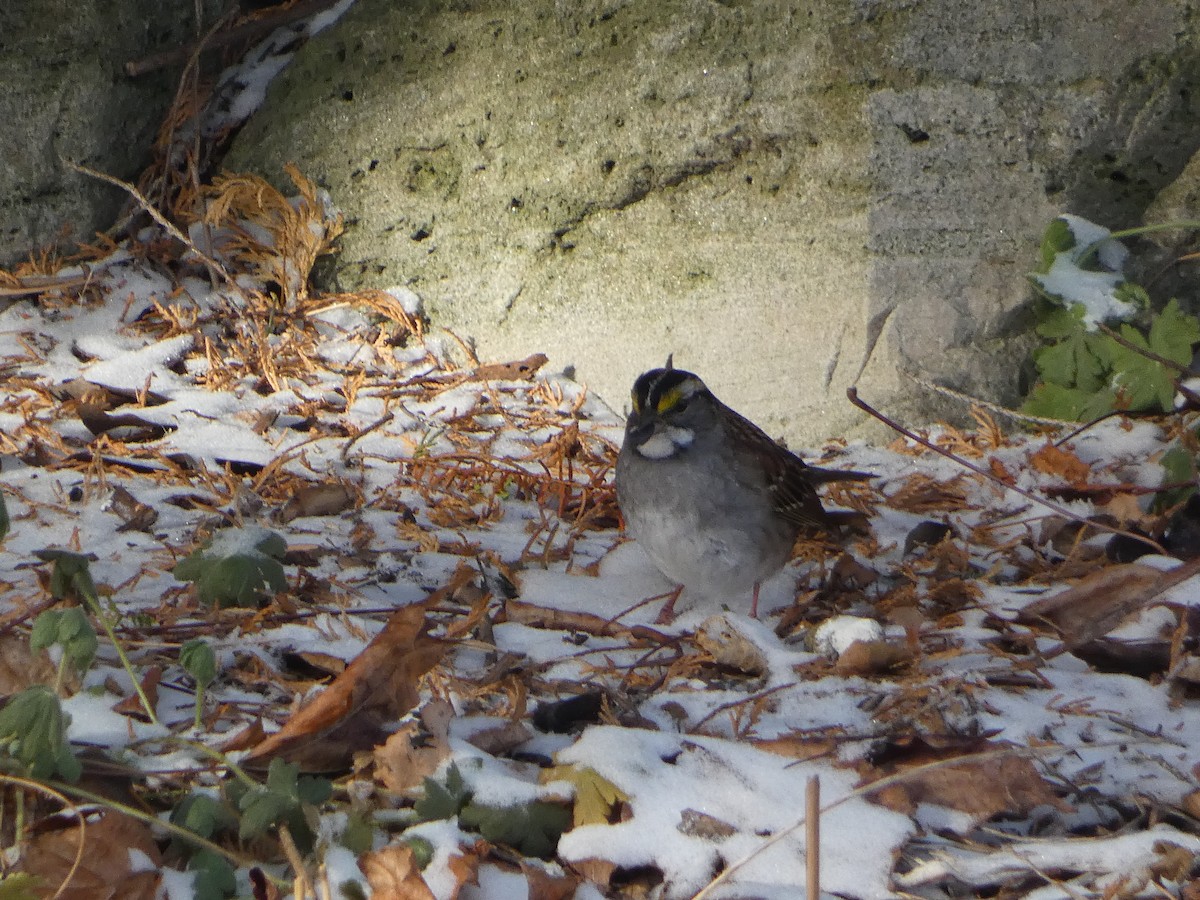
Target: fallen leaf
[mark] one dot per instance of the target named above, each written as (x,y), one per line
(120,859)
(393,874)
(871,657)
(597,871)
(1098,602)
(980,787)
(596,798)
(134,515)
(19,667)
(500,739)
(318,500)
(544,885)
(415,752)
(350,715)
(1054,460)
(700,824)
(132,705)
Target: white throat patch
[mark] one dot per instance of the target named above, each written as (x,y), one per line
(666,443)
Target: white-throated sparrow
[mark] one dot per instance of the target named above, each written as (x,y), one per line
(715,503)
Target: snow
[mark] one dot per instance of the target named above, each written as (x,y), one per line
(1094,291)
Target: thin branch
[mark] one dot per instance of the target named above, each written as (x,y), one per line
(162,220)
(852,395)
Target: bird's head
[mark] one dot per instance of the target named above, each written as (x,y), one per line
(668,407)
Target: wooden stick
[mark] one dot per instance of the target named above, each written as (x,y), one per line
(812,838)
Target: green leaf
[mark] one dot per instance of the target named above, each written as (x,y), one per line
(1072,362)
(21,886)
(443,801)
(33,731)
(1173,334)
(1179,468)
(1053,401)
(1141,383)
(215,877)
(71,629)
(281,802)
(1059,322)
(70,578)
(202,814)
(359,834)
(199,661)
(1057,238)
(422,850)
(238,567)
(533,829)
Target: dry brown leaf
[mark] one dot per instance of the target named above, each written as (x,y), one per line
(980,787)
(523,369)
(132,705)
(1098,602)
(1054,460)
(871,657)
(546,886)
(798,745)
(501,739)
(1000,471)
(106,871)
(318,500)
(393,874)
(922,494)
(19,667)
(250,736)
(561,620)
(134,515)
(349,715)
(598,871)
(415,751)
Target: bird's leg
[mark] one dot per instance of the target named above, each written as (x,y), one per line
(666,615)
(754,603)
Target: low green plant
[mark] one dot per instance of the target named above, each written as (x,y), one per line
(33,735)
(1085,369)
(238,567)
(199,661)
(70,629)
(532,828)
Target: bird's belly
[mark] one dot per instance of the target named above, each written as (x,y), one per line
(705,551)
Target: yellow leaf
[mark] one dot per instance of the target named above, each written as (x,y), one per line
(595,796)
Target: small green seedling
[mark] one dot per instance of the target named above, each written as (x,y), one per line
(199,661)
(238,567)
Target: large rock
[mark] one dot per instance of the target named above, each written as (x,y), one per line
(64,96)
(792,198)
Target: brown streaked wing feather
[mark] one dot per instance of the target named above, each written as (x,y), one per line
(794,495)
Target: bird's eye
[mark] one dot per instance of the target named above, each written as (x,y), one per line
(679,405)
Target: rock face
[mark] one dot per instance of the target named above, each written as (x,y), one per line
(791,197)
(64,95)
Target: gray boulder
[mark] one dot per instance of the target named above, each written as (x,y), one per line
(65,96)
(792,198)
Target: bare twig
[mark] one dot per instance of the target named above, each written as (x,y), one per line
(812,837)
(852,394)
(158,217)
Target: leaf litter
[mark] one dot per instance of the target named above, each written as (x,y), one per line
(452,628)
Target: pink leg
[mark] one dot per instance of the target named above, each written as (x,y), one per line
(667,614)
(754,603)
